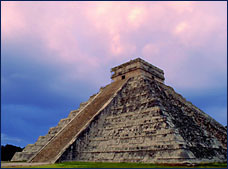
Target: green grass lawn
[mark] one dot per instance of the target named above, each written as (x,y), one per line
(123,165)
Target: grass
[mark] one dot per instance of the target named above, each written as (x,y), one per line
(122,165)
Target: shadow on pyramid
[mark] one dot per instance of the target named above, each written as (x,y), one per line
(136,118)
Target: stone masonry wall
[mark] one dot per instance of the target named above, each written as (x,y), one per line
(32,149)
(205,137)
(203,120)
(134,68)
(139,126)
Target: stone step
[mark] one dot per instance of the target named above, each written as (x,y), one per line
(63,122)
(91,97)
(32,149)
(82,105)
(28,148)
(54,130)
(22,156)
(59,143)
(73,114)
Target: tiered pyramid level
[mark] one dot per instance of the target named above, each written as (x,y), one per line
(32,149)
(137,118)
(147,122)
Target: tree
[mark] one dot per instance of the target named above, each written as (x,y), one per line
(8,151)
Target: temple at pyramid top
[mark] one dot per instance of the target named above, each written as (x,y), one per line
(136,67)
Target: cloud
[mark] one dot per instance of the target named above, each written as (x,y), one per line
(180,27)
(6,139)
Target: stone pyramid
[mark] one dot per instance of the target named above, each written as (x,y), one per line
(136,118)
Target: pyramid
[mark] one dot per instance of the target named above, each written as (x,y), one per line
(136,118)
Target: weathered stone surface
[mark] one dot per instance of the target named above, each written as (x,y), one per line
(141,120)
(148,122)
(137,67)
(31,149)
(55,147)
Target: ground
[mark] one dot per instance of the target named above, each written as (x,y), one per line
(105,165)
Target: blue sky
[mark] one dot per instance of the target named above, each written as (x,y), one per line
(56,54)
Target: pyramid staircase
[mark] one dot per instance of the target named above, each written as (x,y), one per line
(31,149)
(136,118)
(53,149)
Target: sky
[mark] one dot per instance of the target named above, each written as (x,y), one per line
(55,55)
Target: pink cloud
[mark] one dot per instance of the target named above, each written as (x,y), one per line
(13,21)
(91,34)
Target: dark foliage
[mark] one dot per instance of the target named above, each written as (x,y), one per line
(8,151)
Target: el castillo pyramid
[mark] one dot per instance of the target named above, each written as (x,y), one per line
(136,118)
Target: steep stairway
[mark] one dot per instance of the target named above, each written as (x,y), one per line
(57,145)
(31,149)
